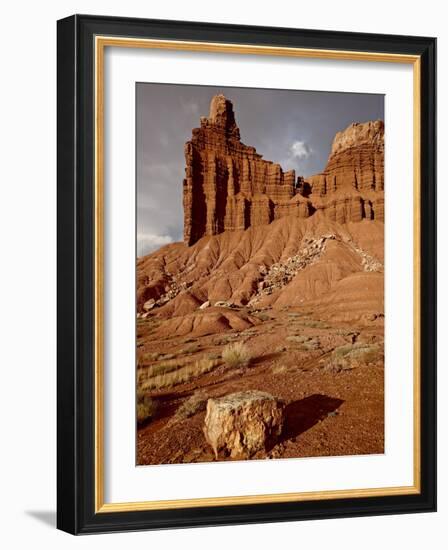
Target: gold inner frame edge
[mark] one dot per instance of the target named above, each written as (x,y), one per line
(101,42)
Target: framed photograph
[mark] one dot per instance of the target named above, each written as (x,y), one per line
(246,274)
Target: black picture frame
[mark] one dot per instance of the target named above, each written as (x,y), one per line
(76,512)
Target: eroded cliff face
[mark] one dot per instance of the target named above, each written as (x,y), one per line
(229,186)
(352,185)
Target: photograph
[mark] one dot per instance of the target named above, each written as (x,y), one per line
(259,273)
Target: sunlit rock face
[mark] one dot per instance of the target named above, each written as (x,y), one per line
(228,186)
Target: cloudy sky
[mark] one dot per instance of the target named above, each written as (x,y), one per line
(291,127)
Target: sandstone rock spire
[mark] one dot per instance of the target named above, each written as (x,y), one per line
(228,186)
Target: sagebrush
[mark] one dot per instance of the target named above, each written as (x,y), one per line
(236,355)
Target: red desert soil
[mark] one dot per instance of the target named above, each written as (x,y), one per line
(293,325)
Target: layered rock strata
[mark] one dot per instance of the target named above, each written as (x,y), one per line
(351,187)
(229,186)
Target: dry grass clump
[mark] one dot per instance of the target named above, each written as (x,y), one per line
(226,339)
(146,407)
(311,323)
(168,356)
(279,369)
(156,356)
(236,355)
(151,356)
(365,353)
(346,332)
(189,350)
(197,402)
(262,316)
(178,375)
(251,330)
(350,356)
(297,339)
(281,349)
(311,345)
(161,368)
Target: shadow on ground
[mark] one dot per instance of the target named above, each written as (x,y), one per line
(48,517)
(303,414)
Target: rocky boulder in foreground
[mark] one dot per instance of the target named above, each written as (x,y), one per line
(241,424)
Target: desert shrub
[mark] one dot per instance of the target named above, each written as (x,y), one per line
(193,348)
(279,369)
(226,339)
(162,368)
(349,356)
(346,332)
(359,350)
(146,407)
(262,316)
(281,349)
(236,355)
(152,356)
(179,375)
(249,332)
(310,345)
(192,405)
(297,339)
(167,356)
(311,323)
(366,353)
(156,356)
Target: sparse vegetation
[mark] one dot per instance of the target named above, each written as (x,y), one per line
(346,332)
(262,316)
(167,356)
(359,351)
(281,349)
(297,339)
(226,339)
(193,348)
(156,356)
(249,332)
(146,407)
(311,345)
(236,355)
(181,374)
(279,369)
(152,356)
(192,405)
(350,356)
(311,323)
(162,368)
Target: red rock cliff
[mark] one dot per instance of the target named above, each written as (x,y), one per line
(229,186)
(352,185)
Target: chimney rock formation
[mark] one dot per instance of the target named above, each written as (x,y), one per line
(229,186)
